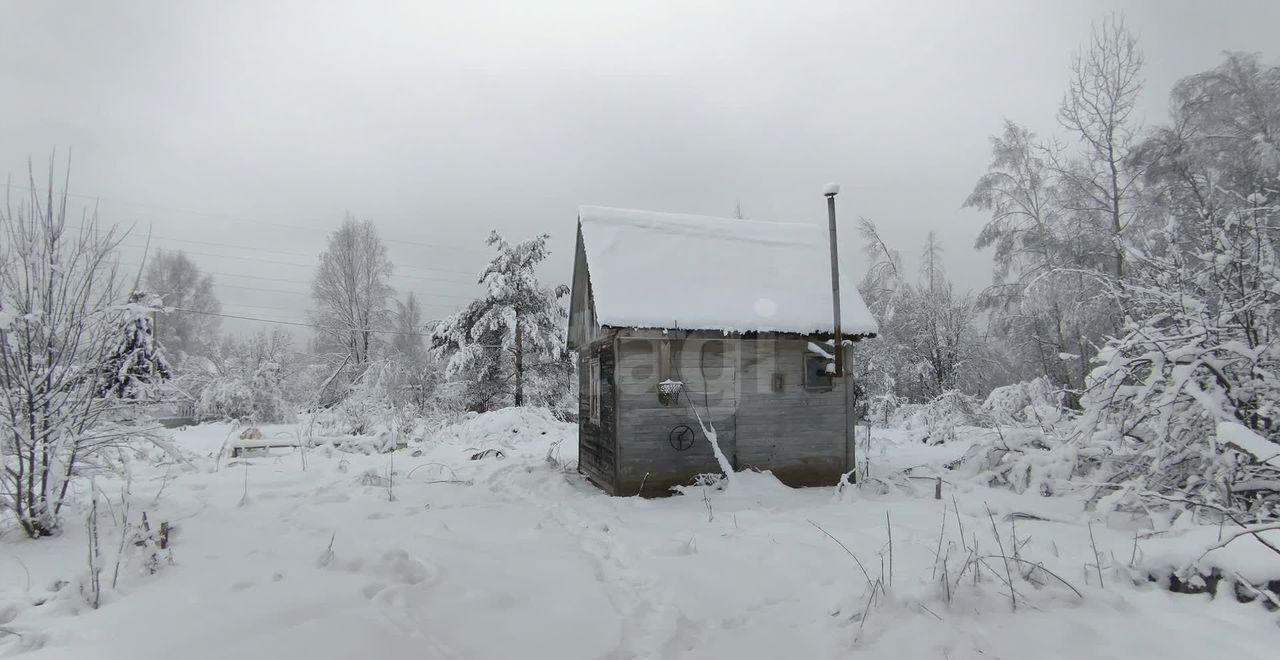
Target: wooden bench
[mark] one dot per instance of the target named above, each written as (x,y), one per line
(255,442)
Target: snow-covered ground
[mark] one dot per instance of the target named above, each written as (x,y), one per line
(516,556)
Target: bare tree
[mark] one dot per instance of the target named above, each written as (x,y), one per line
(932,275)
(188,324)
(350,293)
(929,344)
(1061,223)
(60,319)
(417,371)
(1098,108)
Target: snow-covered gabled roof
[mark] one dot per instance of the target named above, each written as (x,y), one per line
(668,270)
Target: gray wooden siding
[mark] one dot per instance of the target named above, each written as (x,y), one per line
(799,434)
(709,371)
(583,328)
(597,445)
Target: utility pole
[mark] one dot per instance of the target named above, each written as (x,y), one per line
(830,192)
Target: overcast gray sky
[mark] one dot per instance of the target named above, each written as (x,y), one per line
(243,131)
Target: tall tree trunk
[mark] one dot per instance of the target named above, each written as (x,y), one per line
(519,360)
(1117,227)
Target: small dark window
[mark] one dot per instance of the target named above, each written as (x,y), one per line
(593,393)
(816,376)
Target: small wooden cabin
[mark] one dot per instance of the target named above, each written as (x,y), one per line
(682,321)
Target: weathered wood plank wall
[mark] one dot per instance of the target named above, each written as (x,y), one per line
(751,390)
(708,369)
(597,446)
(583,328)
(797,433)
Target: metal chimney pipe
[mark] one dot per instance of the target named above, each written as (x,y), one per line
(831,191)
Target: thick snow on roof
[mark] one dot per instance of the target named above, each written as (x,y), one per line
(667,270)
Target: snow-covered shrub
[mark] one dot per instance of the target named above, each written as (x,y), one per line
(882,407)
(376,403)
(249,380)
(1023,459)
(65,366)
(227,398)
(1184,412)
(935,422)
(508,427)
(1182,408)
(1195,372)
(363,411)
(1030,402)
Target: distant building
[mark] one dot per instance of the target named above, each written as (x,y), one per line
(676,317)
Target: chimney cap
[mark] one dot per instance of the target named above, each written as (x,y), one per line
(831,190)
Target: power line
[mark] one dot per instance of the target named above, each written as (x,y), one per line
(452,307)
(271,279)
(304,293)
(286,263)
(450,300)
(304,325)
(311,265)
(238,218)
(226,274)
(429,294)
(289,254)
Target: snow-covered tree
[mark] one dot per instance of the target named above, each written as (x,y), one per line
(880,364)
(1098,110)
(250,379)
(508,346)
(350,292)
(61,314)
(409,329)
(188,322)
(1187,396)
(929,343)
(137,367)
(1039,304)
(1063,216)
(415,372)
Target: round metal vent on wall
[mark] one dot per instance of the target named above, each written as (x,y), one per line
(681,437)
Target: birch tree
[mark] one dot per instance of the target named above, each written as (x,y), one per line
(350,293)
(1097,110)
(1062,216)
